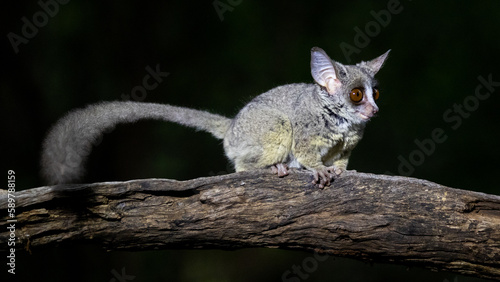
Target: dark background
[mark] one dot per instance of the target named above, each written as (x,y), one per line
(96,51)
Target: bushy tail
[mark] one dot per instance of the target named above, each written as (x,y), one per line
(70,141)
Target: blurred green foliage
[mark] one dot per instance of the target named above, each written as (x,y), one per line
(96,51)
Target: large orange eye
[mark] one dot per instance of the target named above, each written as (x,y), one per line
(356,95)
(376,93)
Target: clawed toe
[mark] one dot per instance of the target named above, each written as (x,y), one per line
(325,175)
(281,169)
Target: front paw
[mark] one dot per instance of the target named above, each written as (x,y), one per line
(323,176)
(280,169)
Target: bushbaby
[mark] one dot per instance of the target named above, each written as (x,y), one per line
(309,126)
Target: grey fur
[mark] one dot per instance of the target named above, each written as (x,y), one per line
(70,140)
(311,126)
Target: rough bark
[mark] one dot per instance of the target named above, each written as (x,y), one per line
(364,216)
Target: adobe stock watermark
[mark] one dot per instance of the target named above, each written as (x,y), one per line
(29,30)
(149,82)
(76,154)
(453,116)
(372,29)
(302,272)
(121,277)
(227,6)
(11,221)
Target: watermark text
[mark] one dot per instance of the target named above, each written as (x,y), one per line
(11,226)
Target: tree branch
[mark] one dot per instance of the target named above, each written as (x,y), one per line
(364,216)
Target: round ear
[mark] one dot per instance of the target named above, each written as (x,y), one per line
(323,70)
(376,64)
